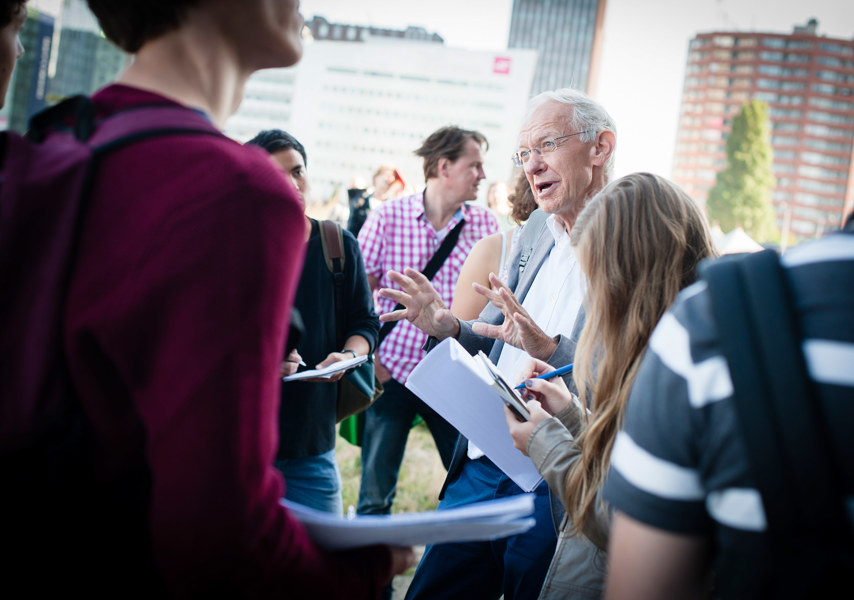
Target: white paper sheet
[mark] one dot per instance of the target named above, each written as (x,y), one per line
(452,382)
(474,522)
(329,370)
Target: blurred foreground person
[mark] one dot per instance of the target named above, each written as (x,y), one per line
(694,506)
(174,327)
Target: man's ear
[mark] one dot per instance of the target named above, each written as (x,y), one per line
(604,147)
(442,166)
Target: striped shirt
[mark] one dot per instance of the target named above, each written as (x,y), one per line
(398,235)
(680,463)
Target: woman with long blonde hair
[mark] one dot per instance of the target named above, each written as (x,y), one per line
(639,242)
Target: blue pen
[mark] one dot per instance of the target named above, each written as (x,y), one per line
(550,374)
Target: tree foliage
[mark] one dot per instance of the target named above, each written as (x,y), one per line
(742,194)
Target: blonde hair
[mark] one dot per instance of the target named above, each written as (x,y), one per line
(639,241)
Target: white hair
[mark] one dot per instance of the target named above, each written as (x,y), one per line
(587,115)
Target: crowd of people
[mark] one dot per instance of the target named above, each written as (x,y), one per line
(198,280)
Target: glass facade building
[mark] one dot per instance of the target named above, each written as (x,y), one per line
(808,82)
(28,91)
(568,36)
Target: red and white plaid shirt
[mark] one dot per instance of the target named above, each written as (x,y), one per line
(398,235)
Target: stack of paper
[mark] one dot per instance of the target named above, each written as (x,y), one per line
(329,370)
(475,522)
(461,389)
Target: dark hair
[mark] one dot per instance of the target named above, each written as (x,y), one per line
(131,23)
(276,140)
(8,9)
(447,142)
(521,199)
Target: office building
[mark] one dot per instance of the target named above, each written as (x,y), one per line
(808,82)
(27,93)
(358,105)
(86,60)
(568,36)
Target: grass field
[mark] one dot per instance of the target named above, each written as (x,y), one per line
(421,474)
(421,477)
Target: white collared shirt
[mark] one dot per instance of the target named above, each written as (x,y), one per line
(553,302)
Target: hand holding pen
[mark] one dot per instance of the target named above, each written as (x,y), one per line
(292,363)
(549,374)
(541,382)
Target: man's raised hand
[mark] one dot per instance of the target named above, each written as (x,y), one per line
(518,328)
(423,307)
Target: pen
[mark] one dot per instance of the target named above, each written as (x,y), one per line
(550,374)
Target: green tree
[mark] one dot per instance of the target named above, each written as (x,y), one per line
(742,194)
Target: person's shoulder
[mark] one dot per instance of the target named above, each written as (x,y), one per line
(835,248)
(400,203)
(351,244)
(489,244)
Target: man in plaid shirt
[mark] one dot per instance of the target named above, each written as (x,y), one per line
(402,233)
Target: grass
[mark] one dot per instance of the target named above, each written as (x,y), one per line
(421,473)
(421,477)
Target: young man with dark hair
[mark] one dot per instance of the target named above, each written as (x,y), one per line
(174,328)
(307,416)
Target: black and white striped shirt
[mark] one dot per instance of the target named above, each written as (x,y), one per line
(680,464)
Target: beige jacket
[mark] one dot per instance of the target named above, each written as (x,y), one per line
(578,567)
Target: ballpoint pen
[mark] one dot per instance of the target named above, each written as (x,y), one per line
(550,374)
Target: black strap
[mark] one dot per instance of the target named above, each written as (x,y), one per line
(429,271)
(776,403)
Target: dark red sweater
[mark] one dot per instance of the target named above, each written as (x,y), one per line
(176,322)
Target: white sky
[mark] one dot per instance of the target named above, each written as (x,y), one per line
(644,52)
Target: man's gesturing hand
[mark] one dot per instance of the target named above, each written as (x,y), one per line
(424,307)
(518,328)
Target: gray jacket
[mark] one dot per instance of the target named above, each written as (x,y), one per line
(577,569)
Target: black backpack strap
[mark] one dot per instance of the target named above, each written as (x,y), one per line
(775,400)
(429,271)
(332,242)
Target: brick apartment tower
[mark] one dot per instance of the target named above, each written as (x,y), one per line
(808,82)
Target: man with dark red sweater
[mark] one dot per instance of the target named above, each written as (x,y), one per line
(174,331)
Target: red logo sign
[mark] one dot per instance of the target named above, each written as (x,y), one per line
(501,65)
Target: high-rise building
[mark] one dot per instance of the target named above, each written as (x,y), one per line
(86,60)
(28,91)
(808,82)
(568,36)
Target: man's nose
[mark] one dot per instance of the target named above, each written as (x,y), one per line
(535,163)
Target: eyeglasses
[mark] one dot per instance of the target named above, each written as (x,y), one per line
(524,154)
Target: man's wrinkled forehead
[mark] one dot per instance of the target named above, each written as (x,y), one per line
(547,120)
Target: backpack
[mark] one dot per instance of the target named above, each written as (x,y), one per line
(359,388)
(45,188)
(787,444)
